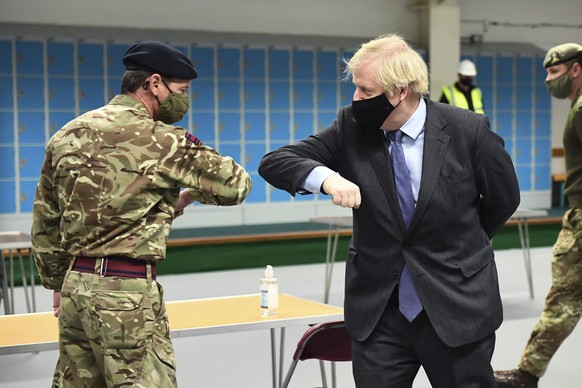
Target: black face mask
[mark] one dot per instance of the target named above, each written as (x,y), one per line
(466,82)
(371,113)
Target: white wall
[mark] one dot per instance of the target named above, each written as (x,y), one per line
(338,18)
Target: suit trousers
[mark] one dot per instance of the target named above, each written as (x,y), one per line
(396,349)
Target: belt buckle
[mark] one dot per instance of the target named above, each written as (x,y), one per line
(103,269)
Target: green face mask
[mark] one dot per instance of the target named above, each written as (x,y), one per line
(173,108)
(560,87)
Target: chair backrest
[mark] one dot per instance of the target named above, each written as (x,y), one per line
(328,341)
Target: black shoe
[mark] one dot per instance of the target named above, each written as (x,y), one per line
(515,378)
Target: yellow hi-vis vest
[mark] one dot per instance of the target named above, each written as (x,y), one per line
(457,98)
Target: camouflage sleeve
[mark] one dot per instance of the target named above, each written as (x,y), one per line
(209,177)
(50,258)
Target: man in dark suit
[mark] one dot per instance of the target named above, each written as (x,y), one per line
(421,285)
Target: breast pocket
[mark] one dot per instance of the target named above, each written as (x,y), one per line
(452,177)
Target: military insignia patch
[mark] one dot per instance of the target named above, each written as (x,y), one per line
(193,138)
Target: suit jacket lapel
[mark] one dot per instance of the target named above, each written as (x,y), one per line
(435,145)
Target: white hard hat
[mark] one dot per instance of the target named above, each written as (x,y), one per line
(467,68)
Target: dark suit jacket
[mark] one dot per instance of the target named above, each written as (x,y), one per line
(468,190)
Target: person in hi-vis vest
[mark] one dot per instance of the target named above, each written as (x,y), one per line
(464,93)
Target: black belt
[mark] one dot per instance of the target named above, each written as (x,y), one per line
(115,266)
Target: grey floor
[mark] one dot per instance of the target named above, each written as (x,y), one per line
(242,360)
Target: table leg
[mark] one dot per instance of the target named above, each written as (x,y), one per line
(281,355)
(523,230)
(274,357)
(4,280)
(32,282)
(330,254)
(24,282)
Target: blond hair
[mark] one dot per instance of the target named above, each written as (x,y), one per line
(394,64)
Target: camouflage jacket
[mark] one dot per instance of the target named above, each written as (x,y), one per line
(110,184)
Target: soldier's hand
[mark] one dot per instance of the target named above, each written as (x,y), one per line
(56,303)
(343,192)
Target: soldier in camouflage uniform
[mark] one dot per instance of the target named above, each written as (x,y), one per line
(109,189)
(563,307)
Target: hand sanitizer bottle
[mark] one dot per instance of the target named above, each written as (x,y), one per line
(269,293)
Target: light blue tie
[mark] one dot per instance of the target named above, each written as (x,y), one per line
(408,300)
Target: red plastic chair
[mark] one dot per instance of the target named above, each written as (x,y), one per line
(328,341)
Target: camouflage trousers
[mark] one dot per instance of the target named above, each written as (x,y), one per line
(563,306)
(113,332)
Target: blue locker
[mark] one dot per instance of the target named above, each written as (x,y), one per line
(31,128)
(484,64)
(254,153)
(279,195)
(542,100)
(504,98)
(27,193)
(303,64)
(202,93)
(61,93)
(279,126)
(524,97)
(524,177)
(255,126)
(504,67)
(277,144)
(542,151)
(303,125)
(254,63)
(232,150)
(509,148)
(279,95)
(504,124)
(228,127)
(31,159)
(347,90)
(58,119)
(203,126)
(91,94)
(30,92)
(327,64)
(303,95)
(324,120)
(523,126)
(228,95)
(115,53)
(5,57)
(228,63)
(29,58)
(259,192)
(255,95)
(203,60)
(524,70)
(327,96)
(539,73)
(7,167)
(6,128)
(8,190)
(113,88)
(6,100)
(523,152)
(543,178)
(60,59)
(542,126)
(90,59)
(487,91)
(279,64)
